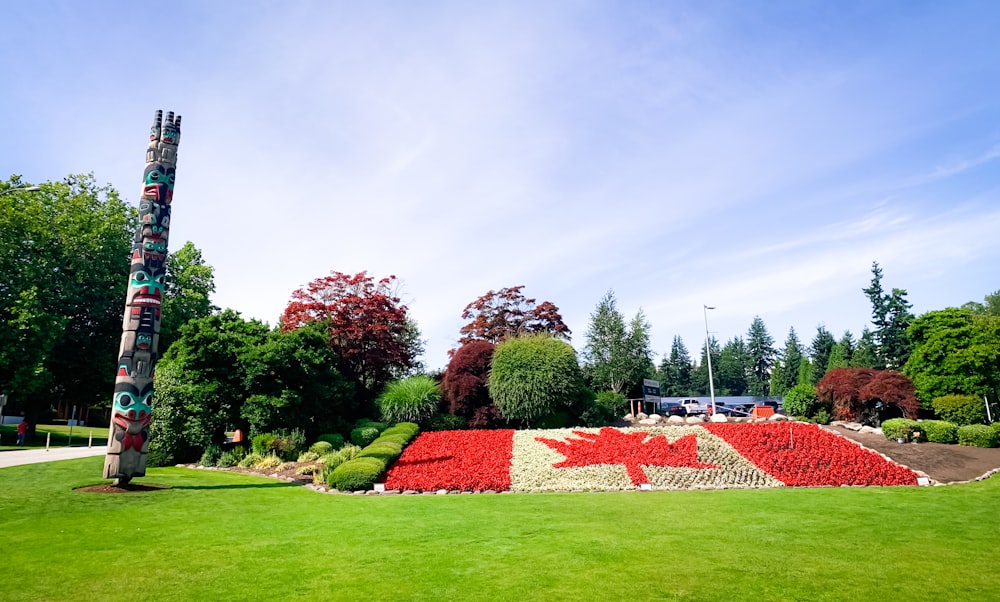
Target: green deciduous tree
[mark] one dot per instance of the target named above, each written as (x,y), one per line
(955,352)
(534,376)
(190,283)
(64,253)
(760,346)
(616,356)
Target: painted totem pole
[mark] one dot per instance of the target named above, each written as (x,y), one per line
(128,440)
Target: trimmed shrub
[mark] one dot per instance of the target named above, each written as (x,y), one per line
(534,376)
(977,435)
(899,428)
(800,400)
(334,439)
(357,474)
(960,409)
(211,455)
(321,447)
(408,429)
(386,451)
(364,435)
(398,438)
(412,399)
(940,431)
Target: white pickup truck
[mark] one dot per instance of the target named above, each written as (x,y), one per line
(693,406)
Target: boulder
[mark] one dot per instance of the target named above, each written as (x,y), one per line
(656,417)
(718,418)
(675,420)
(777,418)
(866,429)
(648,422)
(628,417)
(642,416)
(694,419)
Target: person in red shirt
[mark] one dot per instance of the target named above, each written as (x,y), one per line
(22,430)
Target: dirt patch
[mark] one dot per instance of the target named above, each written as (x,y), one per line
(941,462)
(129,488)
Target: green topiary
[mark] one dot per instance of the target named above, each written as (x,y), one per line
(534,376)
(899,428)
(414,399)
(409,429)
(978,435)
(321,448)
(960,409)
(364,435)
(335,440)
(357,474)
(386,451)
(940,431)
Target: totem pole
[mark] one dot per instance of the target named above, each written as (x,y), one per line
(128,440)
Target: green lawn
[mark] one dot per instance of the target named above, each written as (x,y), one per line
(223,536)
(60,436)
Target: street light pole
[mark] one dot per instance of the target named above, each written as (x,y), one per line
(708,356)
(21,189)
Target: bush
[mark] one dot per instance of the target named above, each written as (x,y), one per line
(308,456)
(446,422)
(231,457)
(822,416)
(250,459)
(335,440)
(464,385)
(289,445)
(940,431)
(268,461)
(364,435)
(960,409)
(534,376)
(397,438)
(211,455)
(412,399)
(800,400)
(356,474)
(408,429)
(262,443)
(321,447)
(978,435)
(385,451)
(899,428)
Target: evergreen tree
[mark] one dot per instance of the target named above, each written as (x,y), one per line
(733,369)
(760,347)
(822,345)
(891,317)
(840,354)
(791,359)
(864,355)
(675,371)
(805,372)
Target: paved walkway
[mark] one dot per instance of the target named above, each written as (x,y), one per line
(33,456)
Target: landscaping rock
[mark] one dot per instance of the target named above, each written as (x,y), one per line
(866,429)
(778,418)
(648,422)
(718,418)
(675,420)
(694,420)
(655,417)
(852,426)
(628,417)
(642,416)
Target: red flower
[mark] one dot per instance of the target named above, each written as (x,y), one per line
(463,460)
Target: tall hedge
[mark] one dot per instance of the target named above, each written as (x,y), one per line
(534,376)
(960,409)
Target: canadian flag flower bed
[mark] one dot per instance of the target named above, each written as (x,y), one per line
(665,457)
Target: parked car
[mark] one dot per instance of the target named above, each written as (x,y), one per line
(720,408)
(672,408)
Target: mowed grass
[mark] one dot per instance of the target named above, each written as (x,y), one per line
(60,436)
(217,535)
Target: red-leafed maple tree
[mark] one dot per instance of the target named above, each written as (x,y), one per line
(465,385)
(866,394)
(507,313)
(634,450)
(367,324)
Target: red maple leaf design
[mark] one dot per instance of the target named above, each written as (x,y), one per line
(612,446)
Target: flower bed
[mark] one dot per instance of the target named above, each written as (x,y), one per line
(663,457)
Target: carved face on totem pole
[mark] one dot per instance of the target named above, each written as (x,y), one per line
(131,412)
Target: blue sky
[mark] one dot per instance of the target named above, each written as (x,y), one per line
(752,156)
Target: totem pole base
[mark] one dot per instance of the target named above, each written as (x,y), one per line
(122,481)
